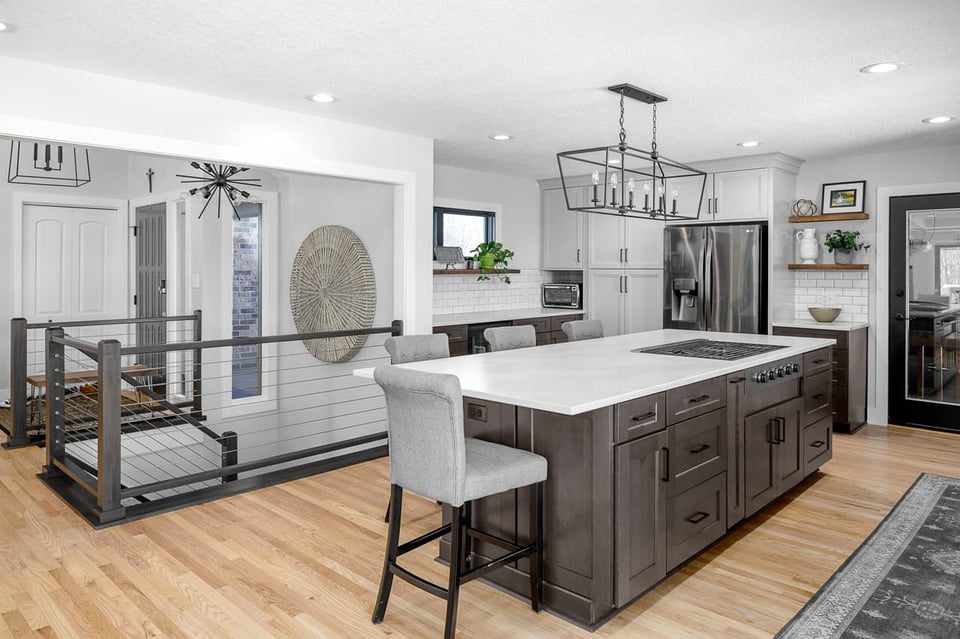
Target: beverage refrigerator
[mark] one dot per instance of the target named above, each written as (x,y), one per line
(715,277)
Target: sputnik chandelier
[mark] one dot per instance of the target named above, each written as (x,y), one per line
(614,173)
(219,180)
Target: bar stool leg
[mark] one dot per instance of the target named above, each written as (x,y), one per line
(390,556)
(457,560)
(536,562)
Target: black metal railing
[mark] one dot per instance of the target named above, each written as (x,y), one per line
(25,422)
(310,416)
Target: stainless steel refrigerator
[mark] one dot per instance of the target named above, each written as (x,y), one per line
(715,277)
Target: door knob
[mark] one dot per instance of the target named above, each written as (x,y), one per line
(900,317)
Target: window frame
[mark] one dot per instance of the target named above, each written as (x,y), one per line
(938,283)
(490,222)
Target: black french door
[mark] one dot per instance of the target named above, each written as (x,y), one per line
(924,311)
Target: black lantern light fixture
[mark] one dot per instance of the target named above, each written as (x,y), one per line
(46,164)
(219,179)
(626,181)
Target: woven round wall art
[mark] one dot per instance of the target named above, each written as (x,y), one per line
(332,288)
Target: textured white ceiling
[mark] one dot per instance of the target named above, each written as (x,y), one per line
(781,71)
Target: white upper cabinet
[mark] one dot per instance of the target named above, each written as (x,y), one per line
(562,230)
(624,242)
(642,243)
(741,195)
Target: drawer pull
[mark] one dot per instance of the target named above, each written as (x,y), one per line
(819,361)
(818,443)
(666,464)
(644,418)
(696,518)
(699,448)
(819,396)
(697,400)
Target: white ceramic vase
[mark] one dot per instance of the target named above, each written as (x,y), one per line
(809,246)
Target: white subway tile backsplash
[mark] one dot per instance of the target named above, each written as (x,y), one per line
(464,294)
(850,290)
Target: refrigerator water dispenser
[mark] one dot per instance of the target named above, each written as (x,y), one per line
(684,299)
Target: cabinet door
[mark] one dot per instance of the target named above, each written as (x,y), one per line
(643,301)
(759,460)
(562,230)
(641,516)
(643,243)
(690,191)
(740,195)
(605,299)
(605,241)
(790,450)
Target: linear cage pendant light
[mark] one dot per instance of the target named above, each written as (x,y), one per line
(47,164)
(623,180)
(220,179)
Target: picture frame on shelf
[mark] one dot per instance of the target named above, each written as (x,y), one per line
(842,197)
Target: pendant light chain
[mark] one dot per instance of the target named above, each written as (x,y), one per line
(623,132)
(653,144)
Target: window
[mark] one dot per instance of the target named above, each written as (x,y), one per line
(462,227)
(948,266)
(247,300)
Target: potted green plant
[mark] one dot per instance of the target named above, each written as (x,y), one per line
(492,257)
(844,245)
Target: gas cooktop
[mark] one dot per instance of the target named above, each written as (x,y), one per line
(709,349)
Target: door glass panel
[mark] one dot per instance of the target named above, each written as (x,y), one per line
(247,299)
(933,287)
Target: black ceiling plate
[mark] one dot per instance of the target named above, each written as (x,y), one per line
(637,93)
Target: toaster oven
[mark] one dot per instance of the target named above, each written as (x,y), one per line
(560,296)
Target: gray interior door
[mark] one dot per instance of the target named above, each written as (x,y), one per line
(151,274)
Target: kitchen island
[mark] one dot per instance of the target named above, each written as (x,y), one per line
(652,456)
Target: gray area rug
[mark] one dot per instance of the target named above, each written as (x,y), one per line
(903,581)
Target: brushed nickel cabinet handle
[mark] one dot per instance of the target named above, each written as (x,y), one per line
(578,256)
(666,464)
(644,418)
(698,399)
(699,448)
(696,518)
(818,443)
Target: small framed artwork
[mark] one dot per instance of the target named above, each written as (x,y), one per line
(843,197)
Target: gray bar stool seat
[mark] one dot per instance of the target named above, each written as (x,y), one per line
(505,338)
(430,456)
(582,329)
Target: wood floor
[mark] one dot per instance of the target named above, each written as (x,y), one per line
(303,559)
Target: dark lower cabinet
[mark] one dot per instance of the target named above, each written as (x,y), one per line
(641,516)
(773,453)
(695,519)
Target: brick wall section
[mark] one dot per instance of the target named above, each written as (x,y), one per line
(246,291)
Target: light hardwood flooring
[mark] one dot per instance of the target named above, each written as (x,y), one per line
(303,559)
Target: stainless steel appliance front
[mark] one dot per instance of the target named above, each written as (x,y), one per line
(560,295)
(715,278)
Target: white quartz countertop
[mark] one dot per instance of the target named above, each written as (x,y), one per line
(577,377)
(505,315)
(825,326)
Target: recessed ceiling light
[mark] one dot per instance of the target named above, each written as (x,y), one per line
(748,143)
(4,26)
(501,137)
(881,67)
(322,98)
(940,119)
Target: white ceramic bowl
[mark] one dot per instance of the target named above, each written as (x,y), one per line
(823,313)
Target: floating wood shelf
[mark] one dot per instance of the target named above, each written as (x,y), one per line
(828,267)
(468,271)
(829,217)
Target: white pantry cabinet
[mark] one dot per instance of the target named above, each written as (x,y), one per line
(623,242)
(625,300)
(562,230)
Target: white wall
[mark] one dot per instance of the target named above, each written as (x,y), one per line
(518,225)
(908,169)
(58,103)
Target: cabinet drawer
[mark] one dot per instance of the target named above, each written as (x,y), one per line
(539,324)
(639,417)
(840,359)
(817,361)
(839,375)
(840,336)
(841,404)
(457,333)
(697,451)
(695,519)
(458,348)
(544,338)
(817,444)
(817,397)
(558,337)
(557,322)
(695,399)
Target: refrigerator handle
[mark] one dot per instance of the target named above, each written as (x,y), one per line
(708,281)
(701,271)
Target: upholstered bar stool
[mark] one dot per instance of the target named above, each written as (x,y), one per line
(430,456)
(582,329)
(505,338)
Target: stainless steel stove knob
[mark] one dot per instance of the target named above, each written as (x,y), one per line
(772,374)
(796,368)
(761,377)
(780,371)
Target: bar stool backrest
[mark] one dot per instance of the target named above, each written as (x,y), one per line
(416,348)
(425,426)
(505,338)
(582,329)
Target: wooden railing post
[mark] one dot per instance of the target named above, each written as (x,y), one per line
(18,383)
(56,436)
(198,362)
(108,432)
